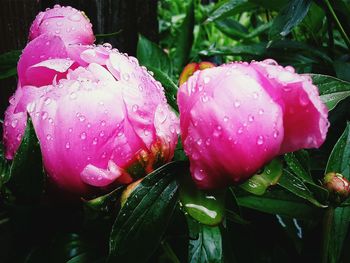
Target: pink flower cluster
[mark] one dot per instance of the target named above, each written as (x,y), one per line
(100,117)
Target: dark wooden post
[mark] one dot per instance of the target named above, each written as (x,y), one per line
(130,17)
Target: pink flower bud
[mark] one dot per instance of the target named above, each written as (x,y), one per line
(66,22)
(237,117)
(337,185)
(99,121)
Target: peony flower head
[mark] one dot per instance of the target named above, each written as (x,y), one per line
(100,119)
(236,117)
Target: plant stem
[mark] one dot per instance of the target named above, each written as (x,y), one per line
(327,231)
(340,27)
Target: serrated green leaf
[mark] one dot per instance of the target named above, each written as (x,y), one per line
(259,183)
(332,90)
(207,207)
(150,54)
(184,39)
(26,172)
(296,186)
(145,215)
(289,17)
(205,243)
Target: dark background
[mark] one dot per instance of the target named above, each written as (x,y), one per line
(128,17)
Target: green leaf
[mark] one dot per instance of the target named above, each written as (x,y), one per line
(332,90)
(336,221)
(290,16)
(259,183)
(184,39)
(26,172)
(169,86)
(205,244)
(257,49)
(339,160)
(4,168)
(150,54)
(296,186)
(270,4)
(297,162)
(8,63)
(235,30)
(280,202)
(229,8)
(207,207)
(145,215)
(104,205)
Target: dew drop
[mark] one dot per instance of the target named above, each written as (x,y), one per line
(73,96)
(261,111)
(199,142)
(19,137)
(94,141)
(81,118)
(83,135)
(206,80)
(260,140)
(240,130)
(135,108)
(207,141)
(270,61)
(237,103)
(102,133)
(103,123)
(70,130)
(250,118)
(44,115)
(67,145)
(14,123)
(120,134)
(226,119)
(48,137)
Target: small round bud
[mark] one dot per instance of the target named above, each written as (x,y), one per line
(337,185)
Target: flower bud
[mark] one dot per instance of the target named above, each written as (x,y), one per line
(337,185)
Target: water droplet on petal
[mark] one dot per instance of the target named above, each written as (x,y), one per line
(75,17)
(83,135)
(103,123)
(44,115)
(260,140)
(206,80)
(19,137)
(226,119)
(82,118)
(303,99)
(237,103)
(49,137)
(207,141)
(250,118)
(270,61)
(73,96)
(290,69)
(67,145)
(240,130)
(102,133)
(261,111)
(135,108)
(14,123)
(70,130)
(199,142)
(275,134)
(94,141)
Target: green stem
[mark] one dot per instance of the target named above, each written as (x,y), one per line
(327,231)
(340,27)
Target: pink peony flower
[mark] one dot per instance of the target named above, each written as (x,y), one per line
(66,22)
(100,119)
(236,117)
